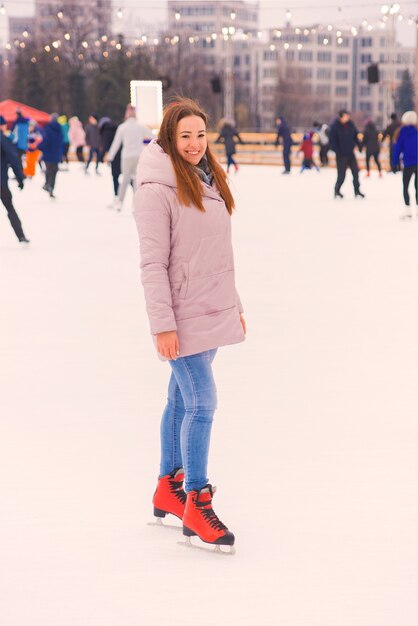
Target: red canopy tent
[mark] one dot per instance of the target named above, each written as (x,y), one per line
(8,111)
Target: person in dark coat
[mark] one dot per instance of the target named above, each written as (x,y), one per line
(343,138)
(227,136)
(93,142)
(10,158)
(390,132)
(52,148)
(107,130)
(371,142)
(406,148)
(283,133)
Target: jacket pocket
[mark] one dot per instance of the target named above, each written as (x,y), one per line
(213,255)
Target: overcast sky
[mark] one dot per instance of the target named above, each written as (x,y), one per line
(272,12)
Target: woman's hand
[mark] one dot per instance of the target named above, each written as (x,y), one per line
(168,344)
(243,324)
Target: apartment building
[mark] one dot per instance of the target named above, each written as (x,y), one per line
(334,63)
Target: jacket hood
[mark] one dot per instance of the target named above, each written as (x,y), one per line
(409,118)
(155,166)
(74,122)
(62,119)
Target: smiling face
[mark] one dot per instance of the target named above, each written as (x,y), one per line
(191,142)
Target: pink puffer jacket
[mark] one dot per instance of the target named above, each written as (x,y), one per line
(186,259)
(76,132)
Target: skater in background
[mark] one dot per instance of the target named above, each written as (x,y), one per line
(93,142)
(107,130)
(406,148)
(20,130)
(390,131)
(130,136)
(322,131)
(307,149)
(183,210)
(343,139)
(284,134)
(33,153)
(371,142)
(52,149)
(77,137)
(10,158)
(62,121)
(227,135)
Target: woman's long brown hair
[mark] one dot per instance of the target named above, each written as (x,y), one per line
(189,186)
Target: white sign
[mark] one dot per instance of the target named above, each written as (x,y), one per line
(147,98)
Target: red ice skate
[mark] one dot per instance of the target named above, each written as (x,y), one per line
(200,519)
(169,497)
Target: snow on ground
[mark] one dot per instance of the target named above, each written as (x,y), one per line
(314,447)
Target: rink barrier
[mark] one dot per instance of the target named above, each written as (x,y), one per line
(259,149)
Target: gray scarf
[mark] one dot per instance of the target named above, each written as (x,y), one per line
(204,172)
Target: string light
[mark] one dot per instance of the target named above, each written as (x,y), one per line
(60,15)
(25,33)
(2,9)
(33,60)
(177,15)
(119,13)
(233,14)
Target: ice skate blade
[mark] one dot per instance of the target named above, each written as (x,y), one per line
(158,522)
(216,549)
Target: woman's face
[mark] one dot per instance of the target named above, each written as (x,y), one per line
(191,139)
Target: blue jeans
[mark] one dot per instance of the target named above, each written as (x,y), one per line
(187,419)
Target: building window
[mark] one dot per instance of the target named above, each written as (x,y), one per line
(324,57)
(366,107)
(290,55)
(323,90)
(366,58)
(365,91)
(341,75)
(270,55)
(341,91)
(304,55)
(342,58)
(269,72)
(324,73)
(366,42)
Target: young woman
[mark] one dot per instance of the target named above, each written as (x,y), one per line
(183,210)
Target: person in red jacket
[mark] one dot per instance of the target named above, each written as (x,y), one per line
(306,147)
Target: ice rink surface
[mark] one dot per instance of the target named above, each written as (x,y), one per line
(315,442)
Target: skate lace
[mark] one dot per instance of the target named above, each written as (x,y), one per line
(210,515)
(176,488)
